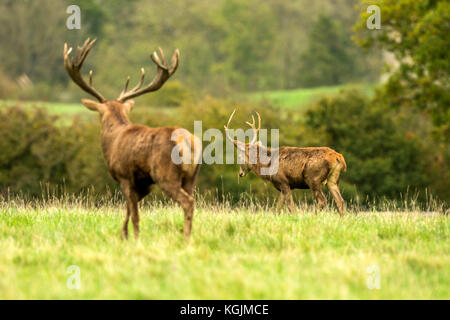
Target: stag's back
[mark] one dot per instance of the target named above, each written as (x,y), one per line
(303,165)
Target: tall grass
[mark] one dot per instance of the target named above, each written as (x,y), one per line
(242,250)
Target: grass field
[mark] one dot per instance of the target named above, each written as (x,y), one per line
(233,254)
(288,99)
(301,98)
(52,107)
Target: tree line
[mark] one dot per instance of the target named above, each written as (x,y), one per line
(226,45)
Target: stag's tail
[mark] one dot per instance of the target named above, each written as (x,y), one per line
(341,159)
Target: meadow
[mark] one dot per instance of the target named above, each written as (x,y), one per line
(236,252)
(297,99)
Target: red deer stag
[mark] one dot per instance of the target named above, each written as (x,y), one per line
(138,156)
(298,168)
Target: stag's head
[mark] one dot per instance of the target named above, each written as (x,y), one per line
(121,106)
(246,150)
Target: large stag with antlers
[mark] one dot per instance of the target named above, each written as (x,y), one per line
(297,168)
(138,156)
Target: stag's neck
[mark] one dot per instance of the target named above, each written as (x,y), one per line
(114,121)
(261,162)
(111,129)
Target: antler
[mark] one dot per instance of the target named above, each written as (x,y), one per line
(228,124)
(255,130)
(73,68)
(163,73)
(240,145)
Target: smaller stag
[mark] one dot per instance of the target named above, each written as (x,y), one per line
(137,156)
(298,168)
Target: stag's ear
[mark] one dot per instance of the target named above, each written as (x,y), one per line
(92,105)
(129,105)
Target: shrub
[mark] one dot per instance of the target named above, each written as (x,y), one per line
(382,158)
(172,94)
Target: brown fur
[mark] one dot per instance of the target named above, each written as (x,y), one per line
(298,168)
(302,168)
(138,156)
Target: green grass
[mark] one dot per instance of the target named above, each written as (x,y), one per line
(233,254)
(52,107)
(301,98)
(289,99)
(72,109)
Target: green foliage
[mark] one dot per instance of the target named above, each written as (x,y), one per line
(41,149)
(385,157)
(172,94)
(8,89)
(299,99)
(225,45)
(32,36)
(36,151)
(416,32)
(382,159)
(247,44)
(222,179)
(329,58)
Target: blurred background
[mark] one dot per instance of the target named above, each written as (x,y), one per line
(311,68)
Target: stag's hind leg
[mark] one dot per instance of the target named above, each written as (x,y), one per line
(332,184)
(186,201)
(316,188)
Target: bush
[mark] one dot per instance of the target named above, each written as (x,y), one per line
(382,158)
(37,152)
(8,88)
(172,94)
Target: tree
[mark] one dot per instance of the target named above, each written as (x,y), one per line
(383,159)
(417,33)
(32,35)
(249,28)
(328,59)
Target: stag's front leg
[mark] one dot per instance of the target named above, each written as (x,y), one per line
(287,194)
(280,201)
(320,197)
(132,209)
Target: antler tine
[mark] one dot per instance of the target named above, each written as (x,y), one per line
(238,144)
(139,84)
(226,127)
(229,120)
(155,59)
(82,52)
(259,120)
(126,86)
(252,125)
(163,56)
(90,78)
(86,49)
(141,81)
(162,75)
(73,67)
(174,61)
(255,130)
